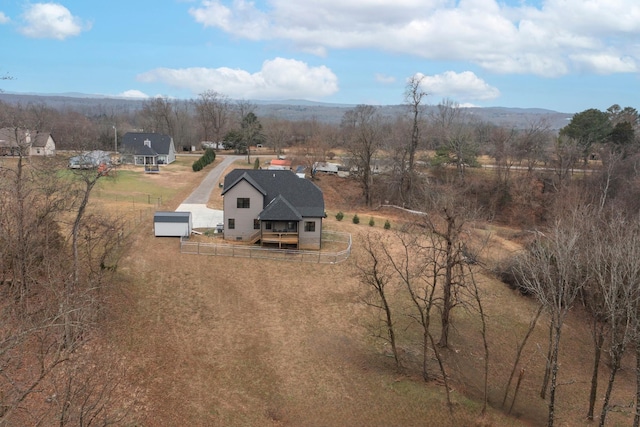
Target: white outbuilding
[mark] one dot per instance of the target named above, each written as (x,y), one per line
(172,224)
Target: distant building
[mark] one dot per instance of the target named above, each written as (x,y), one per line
(14,142)
(147,149)
(213,145)
(90,160)
(279,164)
(325,167)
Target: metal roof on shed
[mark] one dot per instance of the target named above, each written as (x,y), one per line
(171,217)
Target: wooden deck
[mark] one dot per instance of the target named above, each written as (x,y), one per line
(280,238)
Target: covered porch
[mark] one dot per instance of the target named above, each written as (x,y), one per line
(283,234)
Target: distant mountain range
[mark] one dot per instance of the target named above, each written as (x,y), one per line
(294,109)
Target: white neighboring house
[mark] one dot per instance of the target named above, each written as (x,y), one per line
(144,148)
(27,143)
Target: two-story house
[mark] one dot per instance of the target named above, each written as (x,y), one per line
(274,207)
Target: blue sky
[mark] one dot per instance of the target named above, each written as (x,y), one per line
(564,55)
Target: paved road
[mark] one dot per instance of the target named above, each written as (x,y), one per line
(201,194)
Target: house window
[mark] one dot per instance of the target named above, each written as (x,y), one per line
(232,224)
(309,226)
(243,203)
(256,224)
(267,225)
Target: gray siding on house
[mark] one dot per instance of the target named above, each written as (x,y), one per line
(310,239)
(279,199)
(243,216)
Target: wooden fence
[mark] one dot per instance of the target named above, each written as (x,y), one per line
(333,238)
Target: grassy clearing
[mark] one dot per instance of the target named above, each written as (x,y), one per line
(230,342)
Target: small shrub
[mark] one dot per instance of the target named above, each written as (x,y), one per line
(387,225)
(339,216)
(256,164)
(356,219)
(371,222)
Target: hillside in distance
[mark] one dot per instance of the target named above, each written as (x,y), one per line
(294,110)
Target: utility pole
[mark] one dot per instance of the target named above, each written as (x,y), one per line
(115,133)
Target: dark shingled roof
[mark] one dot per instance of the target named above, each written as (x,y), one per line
(134,142)
(285,193)
(280,210)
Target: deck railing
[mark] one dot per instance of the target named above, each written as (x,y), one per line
(252,251)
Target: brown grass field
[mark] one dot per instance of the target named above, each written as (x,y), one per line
(214,341)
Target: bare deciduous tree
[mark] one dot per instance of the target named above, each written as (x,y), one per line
(446,228)
(552,270)
(158,115)
(454,137)
(375,272)
(615,269)
(212,110)
(363,129)
(532,143)
(419,277)
(413,96)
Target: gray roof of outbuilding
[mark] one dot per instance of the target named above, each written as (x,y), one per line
(284,188)
(134,141)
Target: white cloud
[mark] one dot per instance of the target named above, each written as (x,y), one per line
(464,86)
(279,78)
(3,18)
(603,63)
(551,39)
(51,20)
(133,93)
(243,18)
(383,78)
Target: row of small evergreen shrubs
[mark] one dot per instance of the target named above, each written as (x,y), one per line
(356,220)
(207,158)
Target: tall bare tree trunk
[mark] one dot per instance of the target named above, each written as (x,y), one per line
(615,366)
(532,326)
(554,375)
(447,297)
(547,368)
(598,340)
(636,417)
